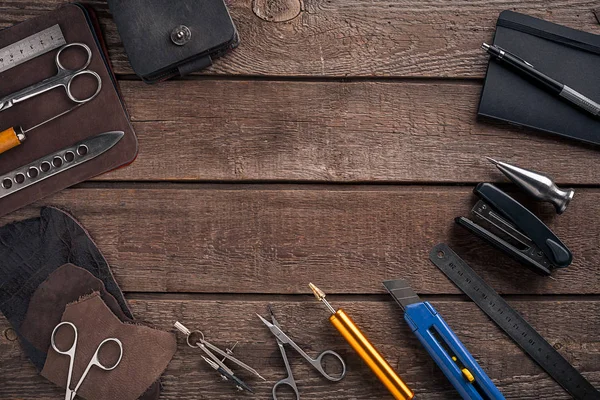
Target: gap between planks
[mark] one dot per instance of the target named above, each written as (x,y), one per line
(257,297)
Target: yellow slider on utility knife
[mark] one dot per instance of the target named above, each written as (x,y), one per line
(386,374)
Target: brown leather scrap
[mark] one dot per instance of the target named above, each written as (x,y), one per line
(146,353)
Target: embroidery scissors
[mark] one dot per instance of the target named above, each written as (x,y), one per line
(94,362)
(195,339)
(64,77)
(317,363)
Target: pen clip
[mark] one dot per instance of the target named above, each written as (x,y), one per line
(515,56)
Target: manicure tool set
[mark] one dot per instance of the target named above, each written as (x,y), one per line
(62,118)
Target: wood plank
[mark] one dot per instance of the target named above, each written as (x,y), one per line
(570,326)
(275,239)
(332,132)
(342,38)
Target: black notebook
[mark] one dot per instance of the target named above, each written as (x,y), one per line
(567,55)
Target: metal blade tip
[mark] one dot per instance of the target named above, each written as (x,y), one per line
(210,362)
(267,323)
(395,283)
(485,46)
(401,291)
(490,159)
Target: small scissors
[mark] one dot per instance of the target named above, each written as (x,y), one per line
(64,77)
(95,361)
(317,363)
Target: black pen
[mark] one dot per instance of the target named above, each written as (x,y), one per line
(559,89)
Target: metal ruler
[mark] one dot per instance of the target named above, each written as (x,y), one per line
(512,323)
(31,47)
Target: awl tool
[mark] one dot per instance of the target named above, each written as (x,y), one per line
(539,186)
(442,344)
(382,369)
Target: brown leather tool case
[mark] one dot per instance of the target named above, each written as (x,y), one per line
(104,113)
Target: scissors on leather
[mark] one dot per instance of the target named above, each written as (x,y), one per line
(317,363)
(94,362)
(64,77)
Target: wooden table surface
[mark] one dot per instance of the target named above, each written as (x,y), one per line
(335,145)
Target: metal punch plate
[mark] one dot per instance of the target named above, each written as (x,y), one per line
(58,162)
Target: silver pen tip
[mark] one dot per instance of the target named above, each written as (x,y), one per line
(485,46)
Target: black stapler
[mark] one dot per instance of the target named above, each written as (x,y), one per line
(525,237)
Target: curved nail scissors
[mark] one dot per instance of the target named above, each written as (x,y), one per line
(94,362)
(317,363)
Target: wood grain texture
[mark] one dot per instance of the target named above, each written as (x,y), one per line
(270,239)
(332,132)
(566,325)
(343,38)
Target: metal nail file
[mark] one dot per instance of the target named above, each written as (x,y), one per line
(511,322)
(56,163)
(442,344)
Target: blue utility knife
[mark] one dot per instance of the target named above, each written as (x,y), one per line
(443,345)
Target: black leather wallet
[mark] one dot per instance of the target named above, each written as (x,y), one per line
(165,39)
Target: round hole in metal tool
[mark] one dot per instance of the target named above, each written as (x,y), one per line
(45,167)
(7,183)
(20,178)
(32,172)
(69,156)
(57,162)
(82,150)
(440,254)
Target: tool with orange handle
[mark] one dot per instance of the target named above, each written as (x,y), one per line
(14,136)
(386,374)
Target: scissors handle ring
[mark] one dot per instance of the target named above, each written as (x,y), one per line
(96,359)
(79,73)
(70,351)
(318,364)
(286,382)
(66,46)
